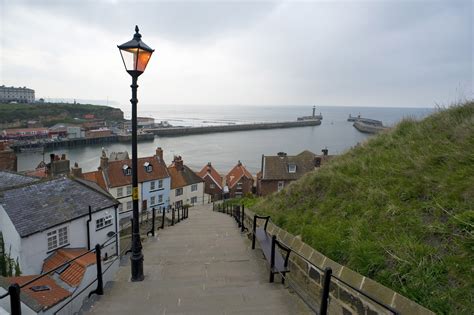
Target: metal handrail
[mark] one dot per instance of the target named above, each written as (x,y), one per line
(375,300)
(59,267)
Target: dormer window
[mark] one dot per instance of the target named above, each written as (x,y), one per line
(127,170)
(148,167)
(291,168)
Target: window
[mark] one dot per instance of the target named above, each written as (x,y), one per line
(281,184)
(212,186)
(194,187)
(291,168)
(239,185)
(127,171)
(160,183)
(120,192)
(152,200)
(129,190)
(152,185)
(129,205)
(120,207)
(103,222)
(57,238)
(194,200)
(179,191)
(148,167)
(160,198)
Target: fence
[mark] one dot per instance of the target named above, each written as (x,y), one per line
(329,280)
(14,290)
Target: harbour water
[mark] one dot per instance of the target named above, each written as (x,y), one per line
(225,149)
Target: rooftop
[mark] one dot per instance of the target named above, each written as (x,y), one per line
(181,175)
(236,174)
(42,205)
(210,171)
(38,300)
(277,167)
(74,273)
(11,179)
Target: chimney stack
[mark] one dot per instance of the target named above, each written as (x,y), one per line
(209,167)
(159,153)
(178,163)
(104,160)
(76,171)
(317,161)
(325,151)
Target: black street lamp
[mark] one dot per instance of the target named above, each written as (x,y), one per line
(135,55)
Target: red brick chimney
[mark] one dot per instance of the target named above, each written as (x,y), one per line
(178,163)
(104,160)
(159,153)
(209,167)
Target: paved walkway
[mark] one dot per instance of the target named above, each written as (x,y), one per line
(202,265)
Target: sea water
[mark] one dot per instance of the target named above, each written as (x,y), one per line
(224,150)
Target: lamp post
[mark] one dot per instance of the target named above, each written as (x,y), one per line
(135,55)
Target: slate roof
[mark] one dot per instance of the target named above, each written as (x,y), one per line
(210,171)
(38,301)
(12,179)
(276,167)
(183,177)
(115,176)
(74,273)
(236,174)
(39,206)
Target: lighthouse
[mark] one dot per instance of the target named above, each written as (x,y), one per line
(314,111)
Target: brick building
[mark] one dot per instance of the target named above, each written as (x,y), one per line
(213,185)
(280,170)
(239,181)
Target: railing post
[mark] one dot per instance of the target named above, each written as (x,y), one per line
(254,229)
(163,218)
(100,284)
(177,210)
(172,216)
(153,214)
(238,216)
(15,302)
(187,212)
(324,299)
(242,226)
(272,259)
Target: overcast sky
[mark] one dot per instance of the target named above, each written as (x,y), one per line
(351,53)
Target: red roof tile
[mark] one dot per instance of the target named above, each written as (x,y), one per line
(96,177)
(181,175)
(236,174)
(116,177)
(210,171)
(47,298)
(73,274)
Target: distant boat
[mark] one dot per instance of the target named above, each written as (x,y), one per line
(312,117)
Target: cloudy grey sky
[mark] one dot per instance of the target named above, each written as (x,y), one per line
(352,53)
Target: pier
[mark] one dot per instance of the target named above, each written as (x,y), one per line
(184,131)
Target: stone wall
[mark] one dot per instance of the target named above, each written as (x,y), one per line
(307,280)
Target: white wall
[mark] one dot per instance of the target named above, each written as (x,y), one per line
(188,194)
(34,248)
(10,235)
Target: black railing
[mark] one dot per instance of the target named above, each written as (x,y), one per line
(14,290)
(328,276)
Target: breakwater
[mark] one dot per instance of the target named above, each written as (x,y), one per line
(184,131)
(38,145)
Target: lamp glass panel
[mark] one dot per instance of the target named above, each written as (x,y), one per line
(143,58)
(129,58)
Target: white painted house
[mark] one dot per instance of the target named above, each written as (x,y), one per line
(39,217)
(154,182)
(187,188)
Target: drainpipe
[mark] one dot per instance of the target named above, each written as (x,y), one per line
(116,232)
(88,229)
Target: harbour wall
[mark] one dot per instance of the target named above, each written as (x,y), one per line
(184,131)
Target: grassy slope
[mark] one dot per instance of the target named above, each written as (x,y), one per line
(398,209)
(10,112)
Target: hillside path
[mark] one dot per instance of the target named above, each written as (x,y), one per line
(202,265)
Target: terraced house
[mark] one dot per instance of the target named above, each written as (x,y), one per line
(153,182)
(239,181)
(186,186)
(39,217)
